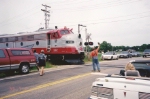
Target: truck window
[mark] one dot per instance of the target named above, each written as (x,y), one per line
(20,52)
(25,53)
(2,55)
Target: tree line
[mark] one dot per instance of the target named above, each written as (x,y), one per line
(105,46)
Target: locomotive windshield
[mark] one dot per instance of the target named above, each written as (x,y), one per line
(63,32)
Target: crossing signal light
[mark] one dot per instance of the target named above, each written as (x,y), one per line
(88,43)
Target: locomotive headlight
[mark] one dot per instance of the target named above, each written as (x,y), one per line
(69,42)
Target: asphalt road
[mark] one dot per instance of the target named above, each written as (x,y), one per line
(64,82)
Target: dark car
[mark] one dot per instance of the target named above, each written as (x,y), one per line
(135,54)
(143,66)
(146,53)
(138,54)
(125,54)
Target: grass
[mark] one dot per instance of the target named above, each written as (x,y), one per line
(48,65)
(2,75)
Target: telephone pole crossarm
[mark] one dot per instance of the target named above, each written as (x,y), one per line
(47,15)
(46,6)
(45,11)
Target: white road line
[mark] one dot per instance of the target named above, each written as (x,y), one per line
(97,73)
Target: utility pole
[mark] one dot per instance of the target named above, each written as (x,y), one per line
(86,37)
(79,27)
(87,40)
(47,15)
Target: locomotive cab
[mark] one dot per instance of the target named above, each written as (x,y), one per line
(66,46)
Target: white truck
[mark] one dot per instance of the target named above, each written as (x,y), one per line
(118,87)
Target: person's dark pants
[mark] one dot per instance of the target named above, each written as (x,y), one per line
(122,72)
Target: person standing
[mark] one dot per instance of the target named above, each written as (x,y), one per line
(42,62)
(94,56)
(36,57)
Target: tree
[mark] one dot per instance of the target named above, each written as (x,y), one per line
(106,46)
(143,47)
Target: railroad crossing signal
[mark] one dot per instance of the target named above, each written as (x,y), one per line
(88,43)
(88,37)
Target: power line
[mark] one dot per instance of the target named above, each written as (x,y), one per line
(69,3)
(55,9)
(99,22)
(22,13)
(107,18)
(112,21)
(19,14)
(37,6)
(16,20)
(94,8)
(29,28)
(121,20)
(87,6)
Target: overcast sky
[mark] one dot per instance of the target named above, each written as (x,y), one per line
(119,22)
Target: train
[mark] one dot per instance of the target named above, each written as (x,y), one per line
(59,44)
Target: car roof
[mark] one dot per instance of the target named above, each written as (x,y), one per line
(147,50)
(140,61)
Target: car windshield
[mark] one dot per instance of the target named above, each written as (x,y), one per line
(147,50)
(108,53)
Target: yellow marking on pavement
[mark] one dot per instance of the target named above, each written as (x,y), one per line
(46,85)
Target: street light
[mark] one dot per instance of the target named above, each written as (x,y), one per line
(79,27)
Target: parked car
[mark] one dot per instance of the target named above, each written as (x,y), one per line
(109,55)
(16,59)
(116,87)
(146,53)
(138,54)
(134,54)
(125,54)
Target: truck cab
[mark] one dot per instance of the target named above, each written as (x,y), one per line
(146,53)
(16,59)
